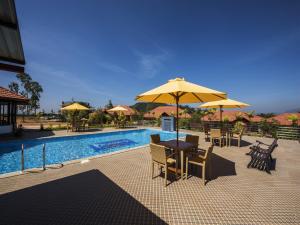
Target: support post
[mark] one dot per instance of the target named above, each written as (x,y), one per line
(177,118)
(221,119)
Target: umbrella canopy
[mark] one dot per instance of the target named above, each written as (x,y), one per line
(181,90)
(178,91)
(226,103)
(117,109)
(74,106)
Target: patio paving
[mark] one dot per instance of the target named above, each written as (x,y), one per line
(118,189)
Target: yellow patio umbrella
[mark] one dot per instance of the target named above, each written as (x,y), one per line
(75,106)
(226,103)
(178,91)
(118,109)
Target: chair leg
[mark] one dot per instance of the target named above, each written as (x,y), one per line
(176,167)
(239,142)
(203,173)
(152,169)
(166,174)
(186,167)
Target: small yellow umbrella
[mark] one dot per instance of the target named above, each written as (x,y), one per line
(75,106)
(178,91)
(117,109)
(226,103)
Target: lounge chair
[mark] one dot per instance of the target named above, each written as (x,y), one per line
(216,134)
(261,157)
(199,160)
(160,156)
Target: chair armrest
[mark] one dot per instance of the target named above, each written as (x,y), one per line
(169,156)
(195,154)
(261,143)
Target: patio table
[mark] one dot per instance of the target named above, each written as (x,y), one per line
(182,147)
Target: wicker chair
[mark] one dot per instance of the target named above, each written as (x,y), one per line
(216,134)
(199,160)
(206,131)
(237,136)
(162,159)
(155,138)
(193,139)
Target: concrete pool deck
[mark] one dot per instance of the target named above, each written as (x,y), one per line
(118,189)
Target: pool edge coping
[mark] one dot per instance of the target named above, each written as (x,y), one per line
(74,161)
(66,163)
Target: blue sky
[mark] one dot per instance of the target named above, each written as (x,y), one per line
(100,50)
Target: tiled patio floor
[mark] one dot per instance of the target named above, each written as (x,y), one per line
(117,189)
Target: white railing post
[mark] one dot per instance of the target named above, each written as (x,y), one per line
(22,158)
(44,157)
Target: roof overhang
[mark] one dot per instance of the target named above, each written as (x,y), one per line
(11,50)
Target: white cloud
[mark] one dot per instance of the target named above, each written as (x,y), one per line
(112,67)
(151,64)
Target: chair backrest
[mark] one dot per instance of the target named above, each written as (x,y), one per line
(193,139)
(155,138)
(242,131)
(208,152)
(206,128)
(158,153)
(215,133)
(273,145)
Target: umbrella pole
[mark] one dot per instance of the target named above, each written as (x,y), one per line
(221,121)
(177,118)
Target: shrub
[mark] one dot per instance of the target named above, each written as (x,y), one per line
(294,119)
(268,127)
(238,126)
(184,123)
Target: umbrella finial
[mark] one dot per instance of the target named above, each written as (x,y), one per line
(177,79)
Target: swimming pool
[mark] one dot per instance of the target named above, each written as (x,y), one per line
(62,149)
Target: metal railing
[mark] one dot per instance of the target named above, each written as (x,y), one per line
(23,160)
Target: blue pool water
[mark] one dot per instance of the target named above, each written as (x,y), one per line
(61,149)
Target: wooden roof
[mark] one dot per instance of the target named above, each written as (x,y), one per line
(283,119)
(11,49)
(8,95)
(168,110)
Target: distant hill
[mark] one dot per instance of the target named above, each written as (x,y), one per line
(145,107)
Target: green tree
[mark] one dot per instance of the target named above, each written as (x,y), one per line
(250,115)
(109,105)
(31,90)
(35,91)
(96,117)
(14,87)
(293,118)
(266,115)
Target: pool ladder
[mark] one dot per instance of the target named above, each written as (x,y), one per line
(22,158)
